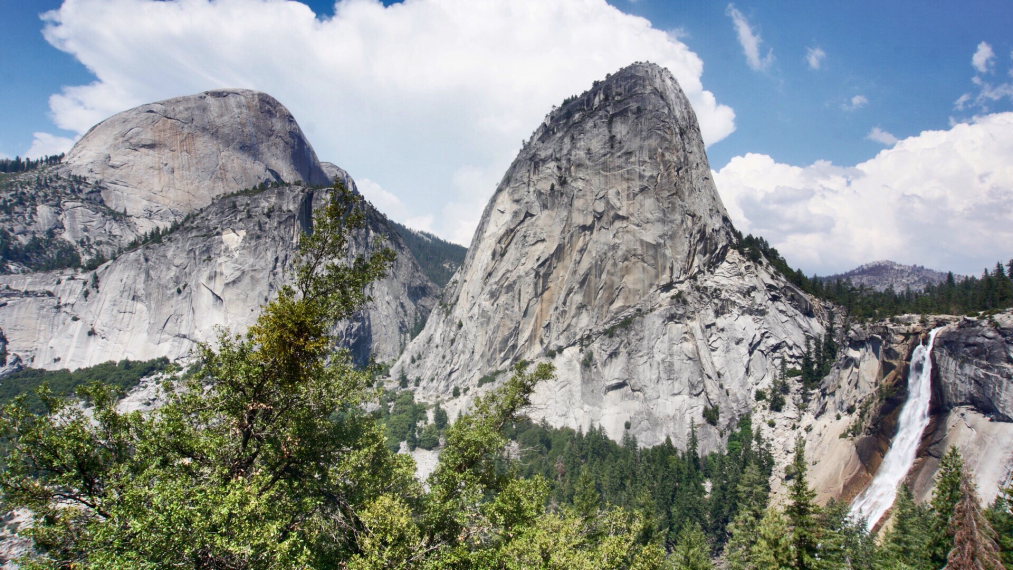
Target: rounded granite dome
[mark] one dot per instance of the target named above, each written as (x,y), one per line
(162,160)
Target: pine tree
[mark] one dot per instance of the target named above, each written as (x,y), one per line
(906,544)
(801,513)
(1000,515)
(974,546)
(944,501)
(773,547)
(692,552)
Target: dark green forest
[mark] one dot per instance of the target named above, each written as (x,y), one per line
(969,295)
(122,376)
(438,258)
(18,164)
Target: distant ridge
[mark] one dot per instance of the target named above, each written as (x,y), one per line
(884,274)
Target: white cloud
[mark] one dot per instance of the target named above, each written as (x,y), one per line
(45,144)
(750,41)
(983,58)
(855,103)
(409,95)
(942,199)
(392,206)
(814,56)
(986,94)
(882,137)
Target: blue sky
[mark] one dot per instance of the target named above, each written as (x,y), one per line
(427,103)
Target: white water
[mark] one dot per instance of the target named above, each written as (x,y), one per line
(914,418)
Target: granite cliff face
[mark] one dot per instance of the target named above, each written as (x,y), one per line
(849,429)
(607,251)
(159,161)
(215,266)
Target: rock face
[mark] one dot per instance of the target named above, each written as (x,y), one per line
(216,270)
(162,160)
(849,429)
(883,275)
(607,251)
(214,267)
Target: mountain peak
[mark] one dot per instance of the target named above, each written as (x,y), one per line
(162,160)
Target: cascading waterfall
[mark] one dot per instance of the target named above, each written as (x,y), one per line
(914,418)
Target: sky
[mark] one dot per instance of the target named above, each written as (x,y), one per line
(842,132)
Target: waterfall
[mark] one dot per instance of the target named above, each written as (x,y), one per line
(914,418)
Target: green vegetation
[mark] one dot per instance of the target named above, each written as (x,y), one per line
(39,253)
(18,164)
(266,458)
(121,376)
(439,259)
(993,290)
(667,485)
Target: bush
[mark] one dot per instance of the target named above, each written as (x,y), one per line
(711,415)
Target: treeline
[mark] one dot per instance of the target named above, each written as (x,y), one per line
(18,164)
(993,290)
(122,376)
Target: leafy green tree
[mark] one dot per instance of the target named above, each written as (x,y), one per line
(262,459)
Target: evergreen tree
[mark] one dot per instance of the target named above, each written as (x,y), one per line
(801,513)
(773,547)
(691,550)
(945,497)
(974,546)
(1000,515)
(906,545)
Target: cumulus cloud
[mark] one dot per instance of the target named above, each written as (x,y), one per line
(814,56)
(855,103)
(45,144)
(882,137)
(983,58)
(750,41)
(942,199)
(428,99)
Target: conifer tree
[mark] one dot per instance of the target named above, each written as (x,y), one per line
(801,513)
(773,547)
(906,545)
(945,497)
(974,546)
(691,550)
(1000,515)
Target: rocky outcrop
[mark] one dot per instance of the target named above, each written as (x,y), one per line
(974,359)
(606,250)
(215,270)
(160,161)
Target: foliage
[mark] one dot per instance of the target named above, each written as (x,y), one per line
(39,253)
(587,469)
(992,290)
(945,497)
(18,164)
(262,457)
(122,376)
(906,544)
(438,258)
(1000,515)
(974,546)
